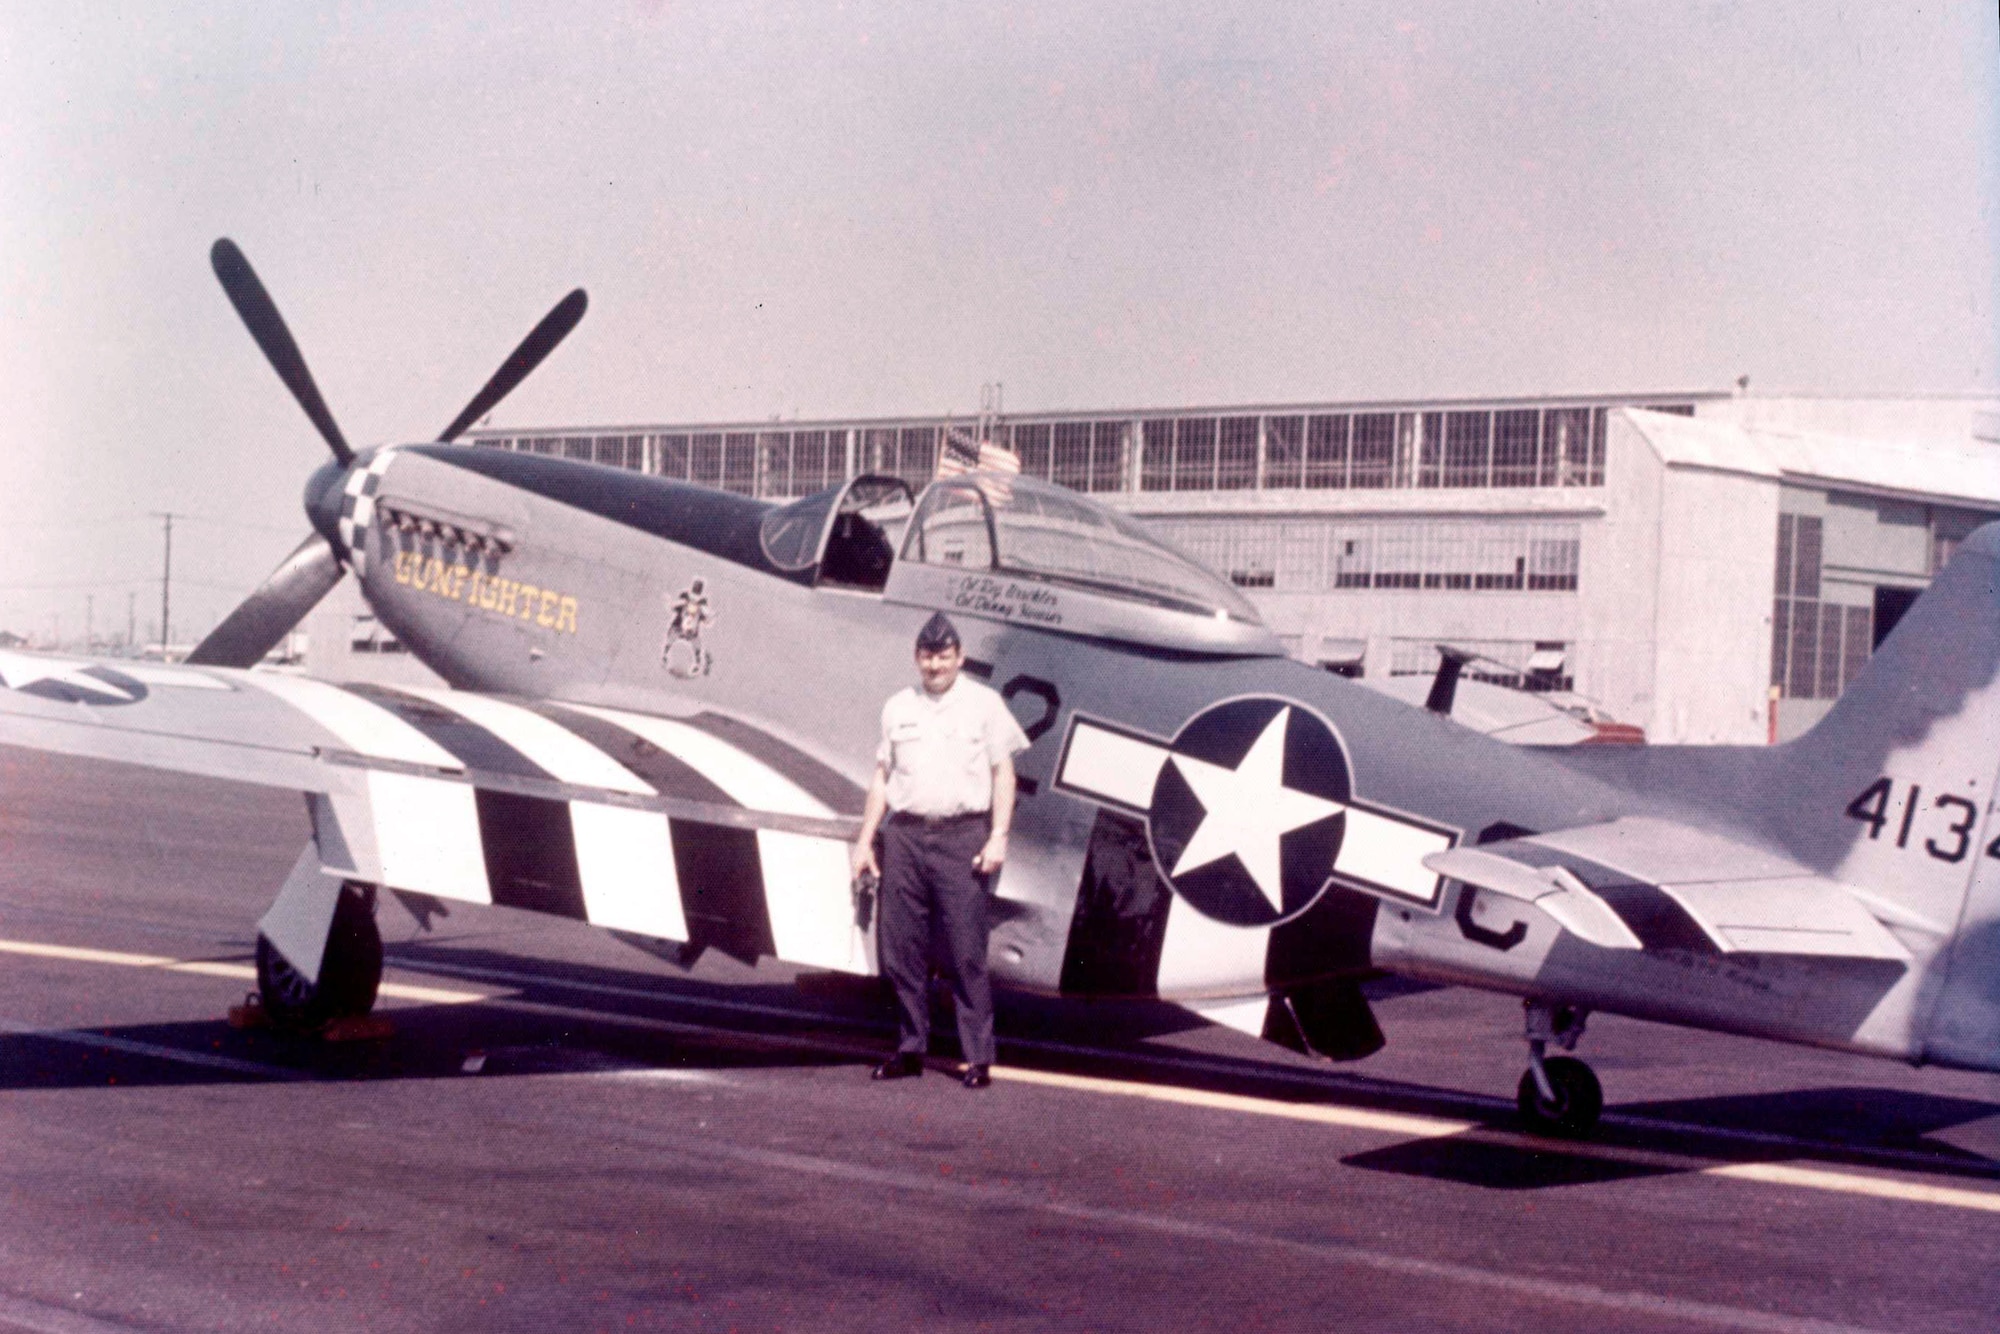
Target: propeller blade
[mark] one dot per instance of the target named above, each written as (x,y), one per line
(268,615)
(260,316)
(541,341)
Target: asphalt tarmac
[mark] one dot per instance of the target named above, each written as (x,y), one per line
(566,1133)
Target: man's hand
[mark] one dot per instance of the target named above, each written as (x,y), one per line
(861,860)
(992,856)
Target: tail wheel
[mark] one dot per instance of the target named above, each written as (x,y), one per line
(348,976)
(1579,1099)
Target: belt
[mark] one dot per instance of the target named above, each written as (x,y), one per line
(937,821)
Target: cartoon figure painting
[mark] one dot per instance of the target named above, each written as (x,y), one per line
(690,613)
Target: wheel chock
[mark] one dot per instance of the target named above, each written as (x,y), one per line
(358,1028)
(250,1014)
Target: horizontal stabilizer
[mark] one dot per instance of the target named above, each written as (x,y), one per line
(1552,889)
(1652,884)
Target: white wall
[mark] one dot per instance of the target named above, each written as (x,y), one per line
(1619,583)
(1718,559)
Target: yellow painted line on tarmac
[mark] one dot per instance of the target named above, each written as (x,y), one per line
(1356,1118)
(1433,1127)
(241,972)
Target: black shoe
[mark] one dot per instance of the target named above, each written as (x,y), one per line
(903,1065)
(976,1077)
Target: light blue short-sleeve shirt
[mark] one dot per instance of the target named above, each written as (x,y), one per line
(940,750)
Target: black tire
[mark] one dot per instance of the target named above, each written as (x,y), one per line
(1579,1099)
(348,976)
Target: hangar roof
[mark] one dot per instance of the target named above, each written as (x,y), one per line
(1966,470)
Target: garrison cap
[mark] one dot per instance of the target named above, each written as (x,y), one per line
(937,635)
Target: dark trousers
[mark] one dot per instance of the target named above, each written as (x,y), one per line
(934,905)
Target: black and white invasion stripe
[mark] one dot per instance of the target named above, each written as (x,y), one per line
(700,829)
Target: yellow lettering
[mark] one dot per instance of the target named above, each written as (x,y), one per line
(458,577)
(528,595)
(487,589)
(403,567)
(547,614)
(566,616)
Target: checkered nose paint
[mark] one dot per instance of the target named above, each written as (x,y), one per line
(341,502)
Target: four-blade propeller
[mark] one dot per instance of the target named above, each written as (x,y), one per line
(313,568)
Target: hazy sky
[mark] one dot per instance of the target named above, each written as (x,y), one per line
(826,210)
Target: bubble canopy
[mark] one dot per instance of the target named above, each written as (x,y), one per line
(1014,549)
(1025,527)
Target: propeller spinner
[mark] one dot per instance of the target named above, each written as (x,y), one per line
(314,566)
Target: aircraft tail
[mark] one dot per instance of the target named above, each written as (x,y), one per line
(1893,792)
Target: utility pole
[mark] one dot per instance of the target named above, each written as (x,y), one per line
(166,579)
(89,622)
(131,620)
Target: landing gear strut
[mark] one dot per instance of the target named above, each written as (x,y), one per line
(1559,1095)
(349,973)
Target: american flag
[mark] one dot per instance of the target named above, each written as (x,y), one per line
(960,454)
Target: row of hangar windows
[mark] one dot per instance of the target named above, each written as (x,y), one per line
(1483,447)
(1314,556)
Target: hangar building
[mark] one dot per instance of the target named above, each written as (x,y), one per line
(1712,567)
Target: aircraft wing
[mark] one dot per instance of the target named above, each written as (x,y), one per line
(1643,883)
(700,828)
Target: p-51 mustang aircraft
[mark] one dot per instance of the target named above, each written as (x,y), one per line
(662,716)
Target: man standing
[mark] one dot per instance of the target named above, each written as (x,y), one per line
(944,775)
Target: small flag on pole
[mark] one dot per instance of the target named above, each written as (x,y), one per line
(959,454)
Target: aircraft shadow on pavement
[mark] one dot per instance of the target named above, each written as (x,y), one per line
(427,1042)
(1859,1121)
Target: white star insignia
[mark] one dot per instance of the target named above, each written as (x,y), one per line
(1246,810)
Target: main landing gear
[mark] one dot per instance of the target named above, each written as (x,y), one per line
(1559,1095)
(350,971)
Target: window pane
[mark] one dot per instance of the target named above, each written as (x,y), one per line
(1781,633)
(1236,458)
(1466,440)
(674,457)
(739,462)
(1107,456)
(1284,452)
(1804,661)
(1430,462)
(1565,446)
(705,459)
(1860,636)
(1785,538)
(1831,618)
(1325,464)
(918,462)
(774,463)
(1805,558)
(1194,454)
(1374,450)
(1157,455)
(1069,455)
(1032,444)
(1515,437)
